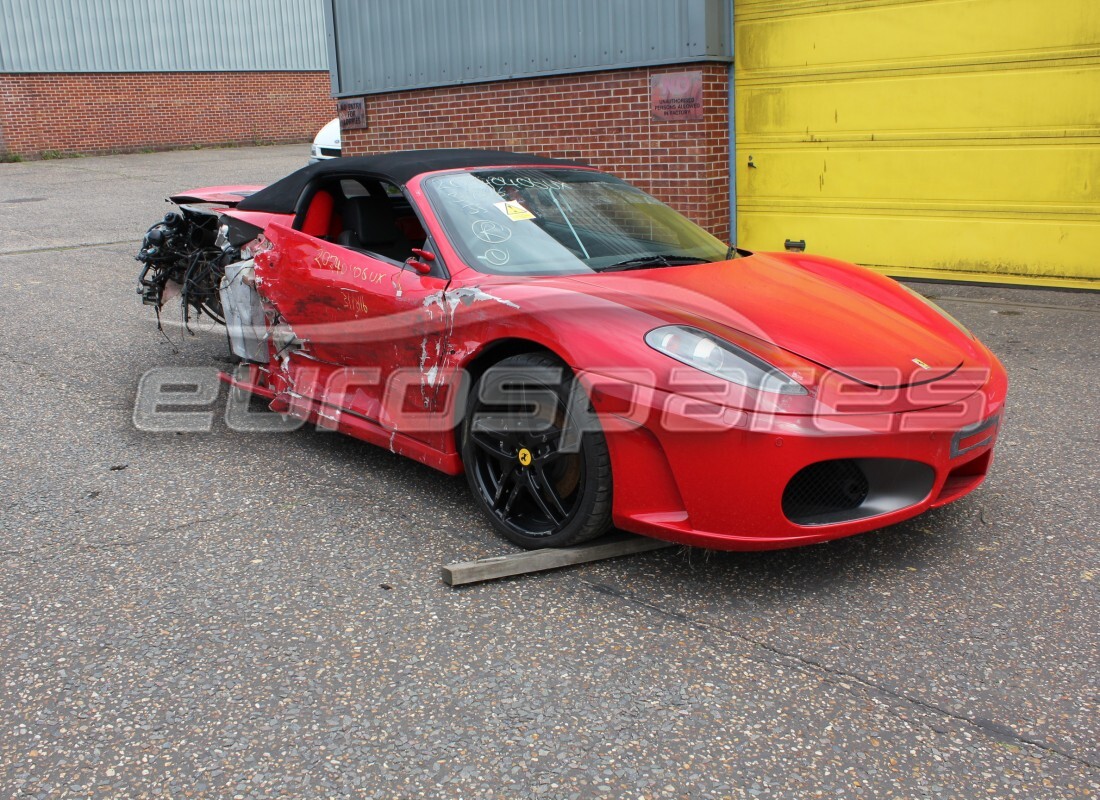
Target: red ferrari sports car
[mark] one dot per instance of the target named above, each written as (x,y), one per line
(584,354)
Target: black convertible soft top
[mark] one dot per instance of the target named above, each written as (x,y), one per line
(399,168)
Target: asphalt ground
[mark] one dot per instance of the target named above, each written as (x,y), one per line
(231,615)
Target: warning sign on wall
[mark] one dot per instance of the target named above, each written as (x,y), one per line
(677,96)
(353,113)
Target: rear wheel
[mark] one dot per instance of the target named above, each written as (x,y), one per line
(535,457)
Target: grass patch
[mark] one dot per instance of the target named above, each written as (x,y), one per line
(51,155)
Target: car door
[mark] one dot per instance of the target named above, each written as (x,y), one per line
(362,325)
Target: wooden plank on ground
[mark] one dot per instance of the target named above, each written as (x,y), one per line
(488,569)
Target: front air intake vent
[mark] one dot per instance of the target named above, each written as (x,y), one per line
(847,489)
(827,487)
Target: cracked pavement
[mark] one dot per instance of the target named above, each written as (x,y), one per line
(233,615)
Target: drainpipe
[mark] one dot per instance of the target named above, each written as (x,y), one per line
(733,158)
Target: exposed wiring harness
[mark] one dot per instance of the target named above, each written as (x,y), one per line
(181,249)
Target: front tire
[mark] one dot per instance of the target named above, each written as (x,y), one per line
(536,459)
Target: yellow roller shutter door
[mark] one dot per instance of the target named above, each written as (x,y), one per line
(950,138)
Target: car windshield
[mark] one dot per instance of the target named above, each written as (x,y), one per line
(563,222)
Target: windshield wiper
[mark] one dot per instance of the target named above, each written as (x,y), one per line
(657,260)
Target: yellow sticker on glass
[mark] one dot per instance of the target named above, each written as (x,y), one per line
(515,210)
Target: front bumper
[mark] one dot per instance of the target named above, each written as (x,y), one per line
(742,481)
(317,154)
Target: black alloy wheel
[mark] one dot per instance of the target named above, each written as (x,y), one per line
(535,457)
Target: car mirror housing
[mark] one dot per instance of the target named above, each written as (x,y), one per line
(421,260)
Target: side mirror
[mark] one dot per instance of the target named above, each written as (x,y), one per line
(421,261)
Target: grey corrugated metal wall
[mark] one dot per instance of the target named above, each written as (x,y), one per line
(386,45)
(161,35)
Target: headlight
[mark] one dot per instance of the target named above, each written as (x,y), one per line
(718,357)
(938,310)
(315,150)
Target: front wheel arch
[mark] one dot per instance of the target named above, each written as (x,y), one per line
(479,364)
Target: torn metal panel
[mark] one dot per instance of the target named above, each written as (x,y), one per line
(244,312)
(469,295)
(466,295)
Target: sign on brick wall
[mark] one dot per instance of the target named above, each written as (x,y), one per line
(677,96)
(353,113)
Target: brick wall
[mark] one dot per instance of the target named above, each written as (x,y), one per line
(104,112)
(603,118)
